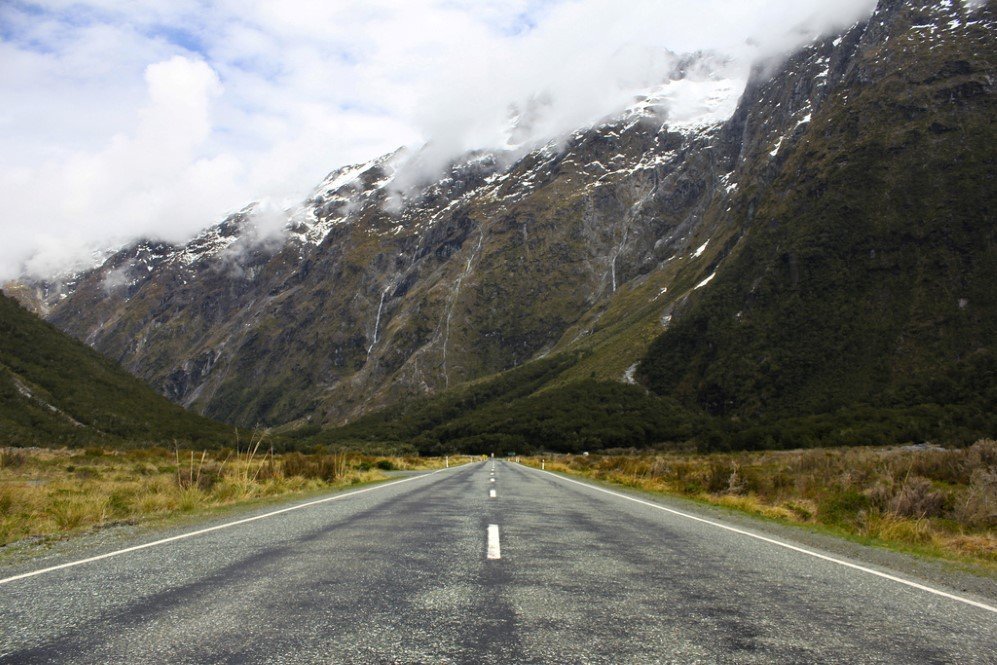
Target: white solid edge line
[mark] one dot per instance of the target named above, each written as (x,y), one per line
(494,549)
(218,527)
(894,578)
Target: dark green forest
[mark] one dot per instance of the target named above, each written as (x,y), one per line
(57,391)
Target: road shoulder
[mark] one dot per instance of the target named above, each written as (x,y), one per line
(953,576)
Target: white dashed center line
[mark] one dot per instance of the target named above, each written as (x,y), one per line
(494,550)
(492,494)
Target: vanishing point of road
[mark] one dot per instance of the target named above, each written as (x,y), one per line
(491,562)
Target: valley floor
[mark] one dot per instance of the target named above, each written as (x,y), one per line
(491,562)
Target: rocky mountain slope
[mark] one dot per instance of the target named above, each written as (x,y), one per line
(369,300)
(743,230)
(867,275)
(55,390)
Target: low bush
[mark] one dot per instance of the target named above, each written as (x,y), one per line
(318,467)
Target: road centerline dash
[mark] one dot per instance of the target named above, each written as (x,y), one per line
(494,548)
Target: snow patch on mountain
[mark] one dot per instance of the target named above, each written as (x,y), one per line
(692,106)
(705,281)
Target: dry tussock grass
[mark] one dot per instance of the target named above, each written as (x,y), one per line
(930,498)
(47,492)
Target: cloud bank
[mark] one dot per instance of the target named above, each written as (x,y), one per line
(149,119)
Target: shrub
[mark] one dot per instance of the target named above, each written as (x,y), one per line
(842,505)
(983,453)
(11,459)
(6,501)
(717,477)
(978,506)
(917,498)
(321,467)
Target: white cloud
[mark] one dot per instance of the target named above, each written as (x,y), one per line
(131,118)
(154,181)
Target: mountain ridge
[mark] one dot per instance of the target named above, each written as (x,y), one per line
(597,244)
(351,203)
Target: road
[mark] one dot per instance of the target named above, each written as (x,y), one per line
(475,565)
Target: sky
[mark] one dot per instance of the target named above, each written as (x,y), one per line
(124,119)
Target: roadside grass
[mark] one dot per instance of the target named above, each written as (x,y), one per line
(930,501)
(53,493)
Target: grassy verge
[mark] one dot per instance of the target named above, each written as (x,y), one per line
(923,500)
(48,493)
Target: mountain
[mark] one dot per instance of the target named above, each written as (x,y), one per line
(819,244)
(372,297)
(55,390)
(867,272)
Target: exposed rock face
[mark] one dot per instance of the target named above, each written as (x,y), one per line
(597,242)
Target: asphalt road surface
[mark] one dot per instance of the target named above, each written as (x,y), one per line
(455,567)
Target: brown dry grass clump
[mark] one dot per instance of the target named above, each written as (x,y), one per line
(935,500)
(45,492)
